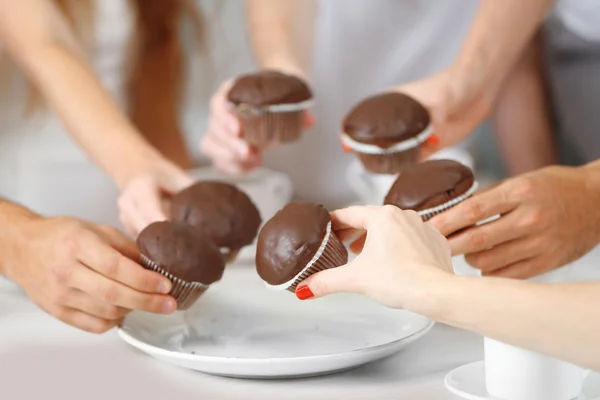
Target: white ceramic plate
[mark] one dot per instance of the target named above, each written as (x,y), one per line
(241,329)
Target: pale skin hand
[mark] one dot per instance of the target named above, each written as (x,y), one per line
(81,273)
(406,264)
(462,96)
(392,235)
(145,199)
(41,42)
(271,35)
(223,142)
(549,218)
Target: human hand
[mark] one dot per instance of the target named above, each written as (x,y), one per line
(456,106)
(223,142)
(549,218)
(83,274)
(401,255)
(144,199)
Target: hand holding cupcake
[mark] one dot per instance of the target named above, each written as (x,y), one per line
(386,132)
(237,134)
(297,242)
(270,106)
(210,222)
(401,259)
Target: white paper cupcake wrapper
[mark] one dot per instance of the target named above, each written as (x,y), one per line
(182,291)
(397,148)
(274,108)
(299,275)
(430,212)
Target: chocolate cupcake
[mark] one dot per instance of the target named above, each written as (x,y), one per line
(386,132)
(270,106)
(297,242)
(222,211)
(432,187)
(184,255)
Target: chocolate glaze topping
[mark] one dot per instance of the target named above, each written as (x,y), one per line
(386,119)
(429,184)
(220,210)
(182,251)
(268,88)
(289,240)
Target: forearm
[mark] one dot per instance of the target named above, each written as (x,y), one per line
(272,34)
(89,113)
(39,39)
(497,37)
(560,320)
(11,215)
(521,115)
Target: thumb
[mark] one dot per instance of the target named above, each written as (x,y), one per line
(177,182)
(342,279)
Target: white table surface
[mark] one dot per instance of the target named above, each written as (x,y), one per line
(41,358)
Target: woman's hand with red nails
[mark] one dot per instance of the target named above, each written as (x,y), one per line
(456,106)
(401,255)
(223,142)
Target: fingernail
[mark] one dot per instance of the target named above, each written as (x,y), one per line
(433,141)
(304,292)
(169,306)
(164,286)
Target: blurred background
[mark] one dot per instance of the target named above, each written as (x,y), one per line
(351,49)
(570,59)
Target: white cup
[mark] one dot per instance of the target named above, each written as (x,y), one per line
(513,373)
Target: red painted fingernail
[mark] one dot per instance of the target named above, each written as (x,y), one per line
(346,148)
(433,141)
(303,293)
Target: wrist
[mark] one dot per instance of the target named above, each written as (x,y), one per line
(439,297)
(591,174)
(286,64)
(14,221)
(146,162)
(467,88)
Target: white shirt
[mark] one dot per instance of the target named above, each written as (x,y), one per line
(582,17)
(41,166)
(363,47)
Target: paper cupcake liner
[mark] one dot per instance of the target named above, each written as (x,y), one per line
(389,163)
(185,293)
(331,254)
(429,213)
(264,126)
(399,147)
